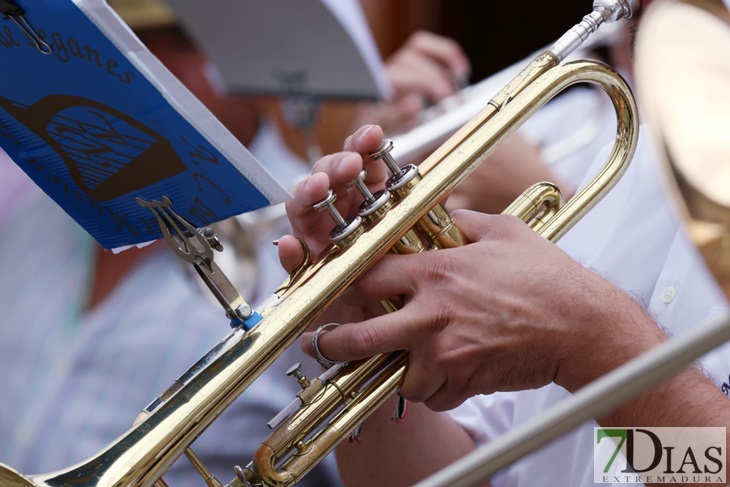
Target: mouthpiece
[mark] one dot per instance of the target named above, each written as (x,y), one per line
(614,9)
(603,11)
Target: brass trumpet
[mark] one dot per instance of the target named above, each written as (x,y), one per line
(336,402)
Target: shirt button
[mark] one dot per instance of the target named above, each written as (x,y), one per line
(669,294)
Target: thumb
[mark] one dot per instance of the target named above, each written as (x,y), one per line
(478,226)
(292,252)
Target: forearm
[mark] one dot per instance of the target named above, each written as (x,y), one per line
(687,399)
(401,454)
(613,329)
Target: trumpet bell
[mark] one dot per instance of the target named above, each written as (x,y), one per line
(687,106)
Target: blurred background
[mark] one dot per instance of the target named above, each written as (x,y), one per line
(493,35)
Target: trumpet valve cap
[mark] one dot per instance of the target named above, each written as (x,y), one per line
(383,152)
(328,204)
(295,371)
(345,231)
(385,147)
(328,200)
(359,184)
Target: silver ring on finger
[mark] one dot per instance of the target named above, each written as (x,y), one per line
(323,361)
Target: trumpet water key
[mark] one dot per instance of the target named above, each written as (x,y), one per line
(329,407)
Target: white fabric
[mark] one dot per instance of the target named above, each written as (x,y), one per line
(632,238)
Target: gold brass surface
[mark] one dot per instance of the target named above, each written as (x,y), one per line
(688,111)
(145,452)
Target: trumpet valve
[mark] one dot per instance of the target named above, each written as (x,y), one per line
(346,230)
(383,153)
(403,178)
(373,205)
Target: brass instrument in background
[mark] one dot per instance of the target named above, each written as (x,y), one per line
(692,140)
(335,403)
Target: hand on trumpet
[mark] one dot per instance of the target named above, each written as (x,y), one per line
(311,227)
(510,311)
(334,172)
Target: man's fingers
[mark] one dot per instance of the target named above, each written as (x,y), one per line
(330,172)
(481,226)
(305,221)
(429,64)
(308,192)
(365,139)
(291,253)
(445,50)
(356,341)
(445,399)
(422,380)
(340,168)
(423,76)
(391,276)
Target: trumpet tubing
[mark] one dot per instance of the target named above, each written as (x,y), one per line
(338,403)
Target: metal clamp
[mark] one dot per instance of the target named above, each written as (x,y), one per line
(11,11)
(196,247)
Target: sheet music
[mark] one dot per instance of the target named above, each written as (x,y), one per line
(100,122)
(319,48)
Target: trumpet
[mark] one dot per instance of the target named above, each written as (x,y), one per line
(331,406)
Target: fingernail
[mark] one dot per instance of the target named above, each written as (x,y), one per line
(307,184)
